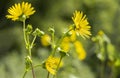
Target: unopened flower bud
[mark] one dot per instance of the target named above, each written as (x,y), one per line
(28,62)
(51,29)
(38,32)
(29,29)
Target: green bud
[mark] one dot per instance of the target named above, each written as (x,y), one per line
(28,62)
(27,46)
(22,17)
(29,29)
(51,29)
(38,32)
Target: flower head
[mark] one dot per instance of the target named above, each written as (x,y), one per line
(20,11)
(52,63)
(65,44)
(81,24)
(45,40)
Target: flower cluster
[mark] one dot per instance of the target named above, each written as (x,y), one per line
(70,39)
(22,11)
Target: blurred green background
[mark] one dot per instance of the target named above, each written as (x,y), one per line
(102,15)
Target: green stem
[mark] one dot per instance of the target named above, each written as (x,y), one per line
(33,42)
(27,42)
(113,72)
(25,74)
(33,73)
(58,65)
(31,45)
(48,75)
(37,65)
(53,43)
(24,33)
(59,42)
(30,69)
(102,70)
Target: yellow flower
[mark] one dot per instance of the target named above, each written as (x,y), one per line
(65,44)
(80,50)
(45,40)
(52,63)
(23,10)
(81,24)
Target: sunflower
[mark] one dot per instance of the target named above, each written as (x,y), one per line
(20,11)
(82,26)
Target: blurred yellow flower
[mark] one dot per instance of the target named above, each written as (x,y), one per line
(45,40)
(100,33)
(65,44)
(73,35)
(20,10)
(52,63)
(80,50)
(82,25)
